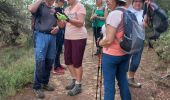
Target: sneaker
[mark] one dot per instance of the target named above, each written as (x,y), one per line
(58,71)
(62,67)
(133,83)
(76,90)
(71,84)
(48,87)
(39,93)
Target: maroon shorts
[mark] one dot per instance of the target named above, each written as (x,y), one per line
(74,51)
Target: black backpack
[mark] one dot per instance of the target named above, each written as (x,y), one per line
(134,36)
(158,18)
(35,17)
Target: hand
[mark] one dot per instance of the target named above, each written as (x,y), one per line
(61,23)
(94,16)
(54,30)
(99,39)
(62,17)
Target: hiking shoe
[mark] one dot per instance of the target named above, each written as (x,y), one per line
(39,93)
(76,90)
(133,83)
(71,84)
(48,87)
(62,67)
(58,71)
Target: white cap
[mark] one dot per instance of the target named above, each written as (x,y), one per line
(122,0)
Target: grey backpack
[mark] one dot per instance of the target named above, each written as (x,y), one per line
(133,38)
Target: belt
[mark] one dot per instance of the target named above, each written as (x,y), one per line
(45,32)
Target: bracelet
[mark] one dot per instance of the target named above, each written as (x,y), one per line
(68,20)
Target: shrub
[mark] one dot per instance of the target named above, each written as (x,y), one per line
(17,74)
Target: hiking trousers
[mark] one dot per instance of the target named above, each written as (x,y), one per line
(97,34)
(135,60)
(59,46)
(115,67)
(45,48)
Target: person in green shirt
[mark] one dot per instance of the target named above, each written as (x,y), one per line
(98,18)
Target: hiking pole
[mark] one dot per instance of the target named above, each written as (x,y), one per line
(100,74)
(93,46)
(94,32)
(99,77)
(97,84)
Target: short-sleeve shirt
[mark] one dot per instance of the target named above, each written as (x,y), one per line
(46,19)
(59,9)
(99,12)
(114,19)
(139,16)
(73,32)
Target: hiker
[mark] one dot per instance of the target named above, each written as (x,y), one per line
(136,57)
(114,60)
(45,44)
(74,44)
(58,68)
(98,18)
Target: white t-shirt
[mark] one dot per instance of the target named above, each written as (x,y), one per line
(73,32)
(113,19)
(138,14)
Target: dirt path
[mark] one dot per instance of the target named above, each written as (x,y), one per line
(149,91)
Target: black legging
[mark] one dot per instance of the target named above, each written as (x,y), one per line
(59,45)
(97,34)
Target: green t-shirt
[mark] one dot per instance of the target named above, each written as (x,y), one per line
(97,22)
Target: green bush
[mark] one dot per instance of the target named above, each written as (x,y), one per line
(16,75)
(88,15)
(14,20)
(163,47)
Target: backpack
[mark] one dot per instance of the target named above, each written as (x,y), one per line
(133,38)
(32,23)
(35,16)
(157,17)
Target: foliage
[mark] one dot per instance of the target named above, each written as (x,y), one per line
(163,47)
(88,15)
(17,71)
(163,3)
(13,20)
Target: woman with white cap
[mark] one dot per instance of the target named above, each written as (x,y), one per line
(114,60)
(136,58)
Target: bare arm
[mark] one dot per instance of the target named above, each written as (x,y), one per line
(34,6)
(78,22)
(110,36)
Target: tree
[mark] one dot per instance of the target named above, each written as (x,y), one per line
(13,20)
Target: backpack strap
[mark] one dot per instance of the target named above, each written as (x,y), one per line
(37,15)
(123,10)
(103,8)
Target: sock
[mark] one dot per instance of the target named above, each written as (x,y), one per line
(73,78)
(130,77)
(78,82)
